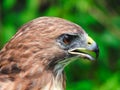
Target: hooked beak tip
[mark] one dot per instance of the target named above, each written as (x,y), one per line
(96,50)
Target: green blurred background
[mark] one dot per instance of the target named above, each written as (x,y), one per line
(99,18)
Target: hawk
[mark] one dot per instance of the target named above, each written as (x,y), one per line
(34,59)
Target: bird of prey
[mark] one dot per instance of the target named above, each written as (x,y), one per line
(35,57)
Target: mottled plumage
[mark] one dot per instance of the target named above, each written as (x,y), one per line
(35,57)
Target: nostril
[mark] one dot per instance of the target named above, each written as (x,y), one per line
(89,43)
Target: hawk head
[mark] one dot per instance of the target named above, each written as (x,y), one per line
(42,48)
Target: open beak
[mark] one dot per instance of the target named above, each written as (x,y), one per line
(84,53)
(90,53)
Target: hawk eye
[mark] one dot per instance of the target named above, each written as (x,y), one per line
(68,38)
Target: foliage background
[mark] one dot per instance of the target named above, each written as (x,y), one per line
(99,18)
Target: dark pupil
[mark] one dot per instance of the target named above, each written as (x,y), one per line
(67,39)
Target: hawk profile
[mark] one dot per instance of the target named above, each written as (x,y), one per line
(34,59)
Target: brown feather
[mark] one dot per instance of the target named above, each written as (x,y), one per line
(25,59)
